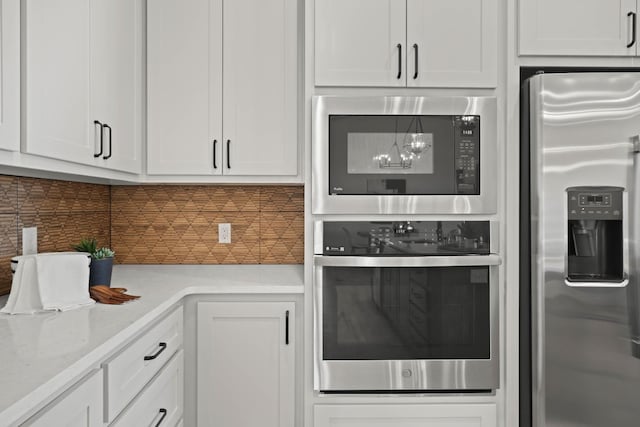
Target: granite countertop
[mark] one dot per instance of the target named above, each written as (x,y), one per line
(43,354)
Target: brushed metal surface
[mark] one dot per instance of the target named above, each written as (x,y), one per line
(584,370)
(324,203)
(389,375)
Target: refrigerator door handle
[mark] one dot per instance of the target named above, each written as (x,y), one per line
(586,284)
(636,144)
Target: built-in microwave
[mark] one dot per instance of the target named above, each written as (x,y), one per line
(404,155)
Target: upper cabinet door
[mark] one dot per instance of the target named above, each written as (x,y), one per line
(184,87)
(10,75)
(576,27)
(117,81)
(260,86)
(360,43)
(452,43)
(56,52)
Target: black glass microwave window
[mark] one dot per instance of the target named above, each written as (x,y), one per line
(404,155)
(393,313)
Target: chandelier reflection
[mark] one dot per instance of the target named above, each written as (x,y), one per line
(413,146)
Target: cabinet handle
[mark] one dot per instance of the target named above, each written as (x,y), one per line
(399,46)
(164,414)
(633,28)
(110,146)
(286,328)
(96,122)
(163,347)
(228,154)
(415,49)
(215,143)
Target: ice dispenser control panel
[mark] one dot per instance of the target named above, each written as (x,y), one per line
(585,203)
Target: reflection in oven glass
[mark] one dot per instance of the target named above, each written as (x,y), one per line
(405,313)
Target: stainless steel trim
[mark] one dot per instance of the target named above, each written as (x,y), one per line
(323,203)
(416,261)
(389,375)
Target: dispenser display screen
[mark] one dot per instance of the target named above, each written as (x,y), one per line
(598,200)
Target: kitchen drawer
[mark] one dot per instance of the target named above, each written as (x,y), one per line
(81,405)
(161,403)
(428,415)
(130,370)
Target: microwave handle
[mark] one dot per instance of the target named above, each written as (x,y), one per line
(417,261)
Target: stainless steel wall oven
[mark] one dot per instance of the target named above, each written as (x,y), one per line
(406,306)
(404,155)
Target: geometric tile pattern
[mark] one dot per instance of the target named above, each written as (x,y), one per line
(155,224)
(178,224)
(63,211)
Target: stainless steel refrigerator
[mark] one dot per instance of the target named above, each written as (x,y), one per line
(581,263)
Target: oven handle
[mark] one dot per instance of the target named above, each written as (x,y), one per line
(417,261)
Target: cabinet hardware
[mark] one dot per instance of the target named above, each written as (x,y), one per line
(399,46)
(96,122)
(228,154)
(106,126)
(164,414)
(633,28)
(163,347)
(215,143)
(415,49)
(286,328)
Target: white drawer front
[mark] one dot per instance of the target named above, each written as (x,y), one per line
(128,371)
(80,406)
(161,403)
(427,415)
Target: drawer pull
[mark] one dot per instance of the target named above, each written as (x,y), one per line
(164,414)
(163,347)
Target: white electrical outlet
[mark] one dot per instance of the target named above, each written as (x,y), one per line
(224,233)
(29,240)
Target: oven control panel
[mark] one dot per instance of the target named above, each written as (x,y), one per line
(404,238)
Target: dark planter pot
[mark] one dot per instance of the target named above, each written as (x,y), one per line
(100,271)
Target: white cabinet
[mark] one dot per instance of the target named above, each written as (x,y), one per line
(161,403)
(80,406)
(82,81)
(130,370)
(222,83)
(427,415)
(10,75)
(245,364)
(577,27)
(415,43)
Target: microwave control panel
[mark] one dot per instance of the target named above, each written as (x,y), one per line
(467,154)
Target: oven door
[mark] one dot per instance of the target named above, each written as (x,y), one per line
(406,323)
(402,155)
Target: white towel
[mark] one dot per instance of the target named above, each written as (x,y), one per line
(49,281)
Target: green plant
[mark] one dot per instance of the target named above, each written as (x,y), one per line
(90,245)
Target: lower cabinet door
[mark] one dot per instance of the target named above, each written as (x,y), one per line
(80,406)
(427,415)
(160,403)
(246,363)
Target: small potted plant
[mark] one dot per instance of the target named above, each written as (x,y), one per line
(101,261)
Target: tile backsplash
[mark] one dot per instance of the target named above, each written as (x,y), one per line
(162,224)
(155,224)
(63,211)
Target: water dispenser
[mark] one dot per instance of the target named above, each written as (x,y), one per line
(594,235)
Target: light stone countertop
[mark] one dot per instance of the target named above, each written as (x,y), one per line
(43,354)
